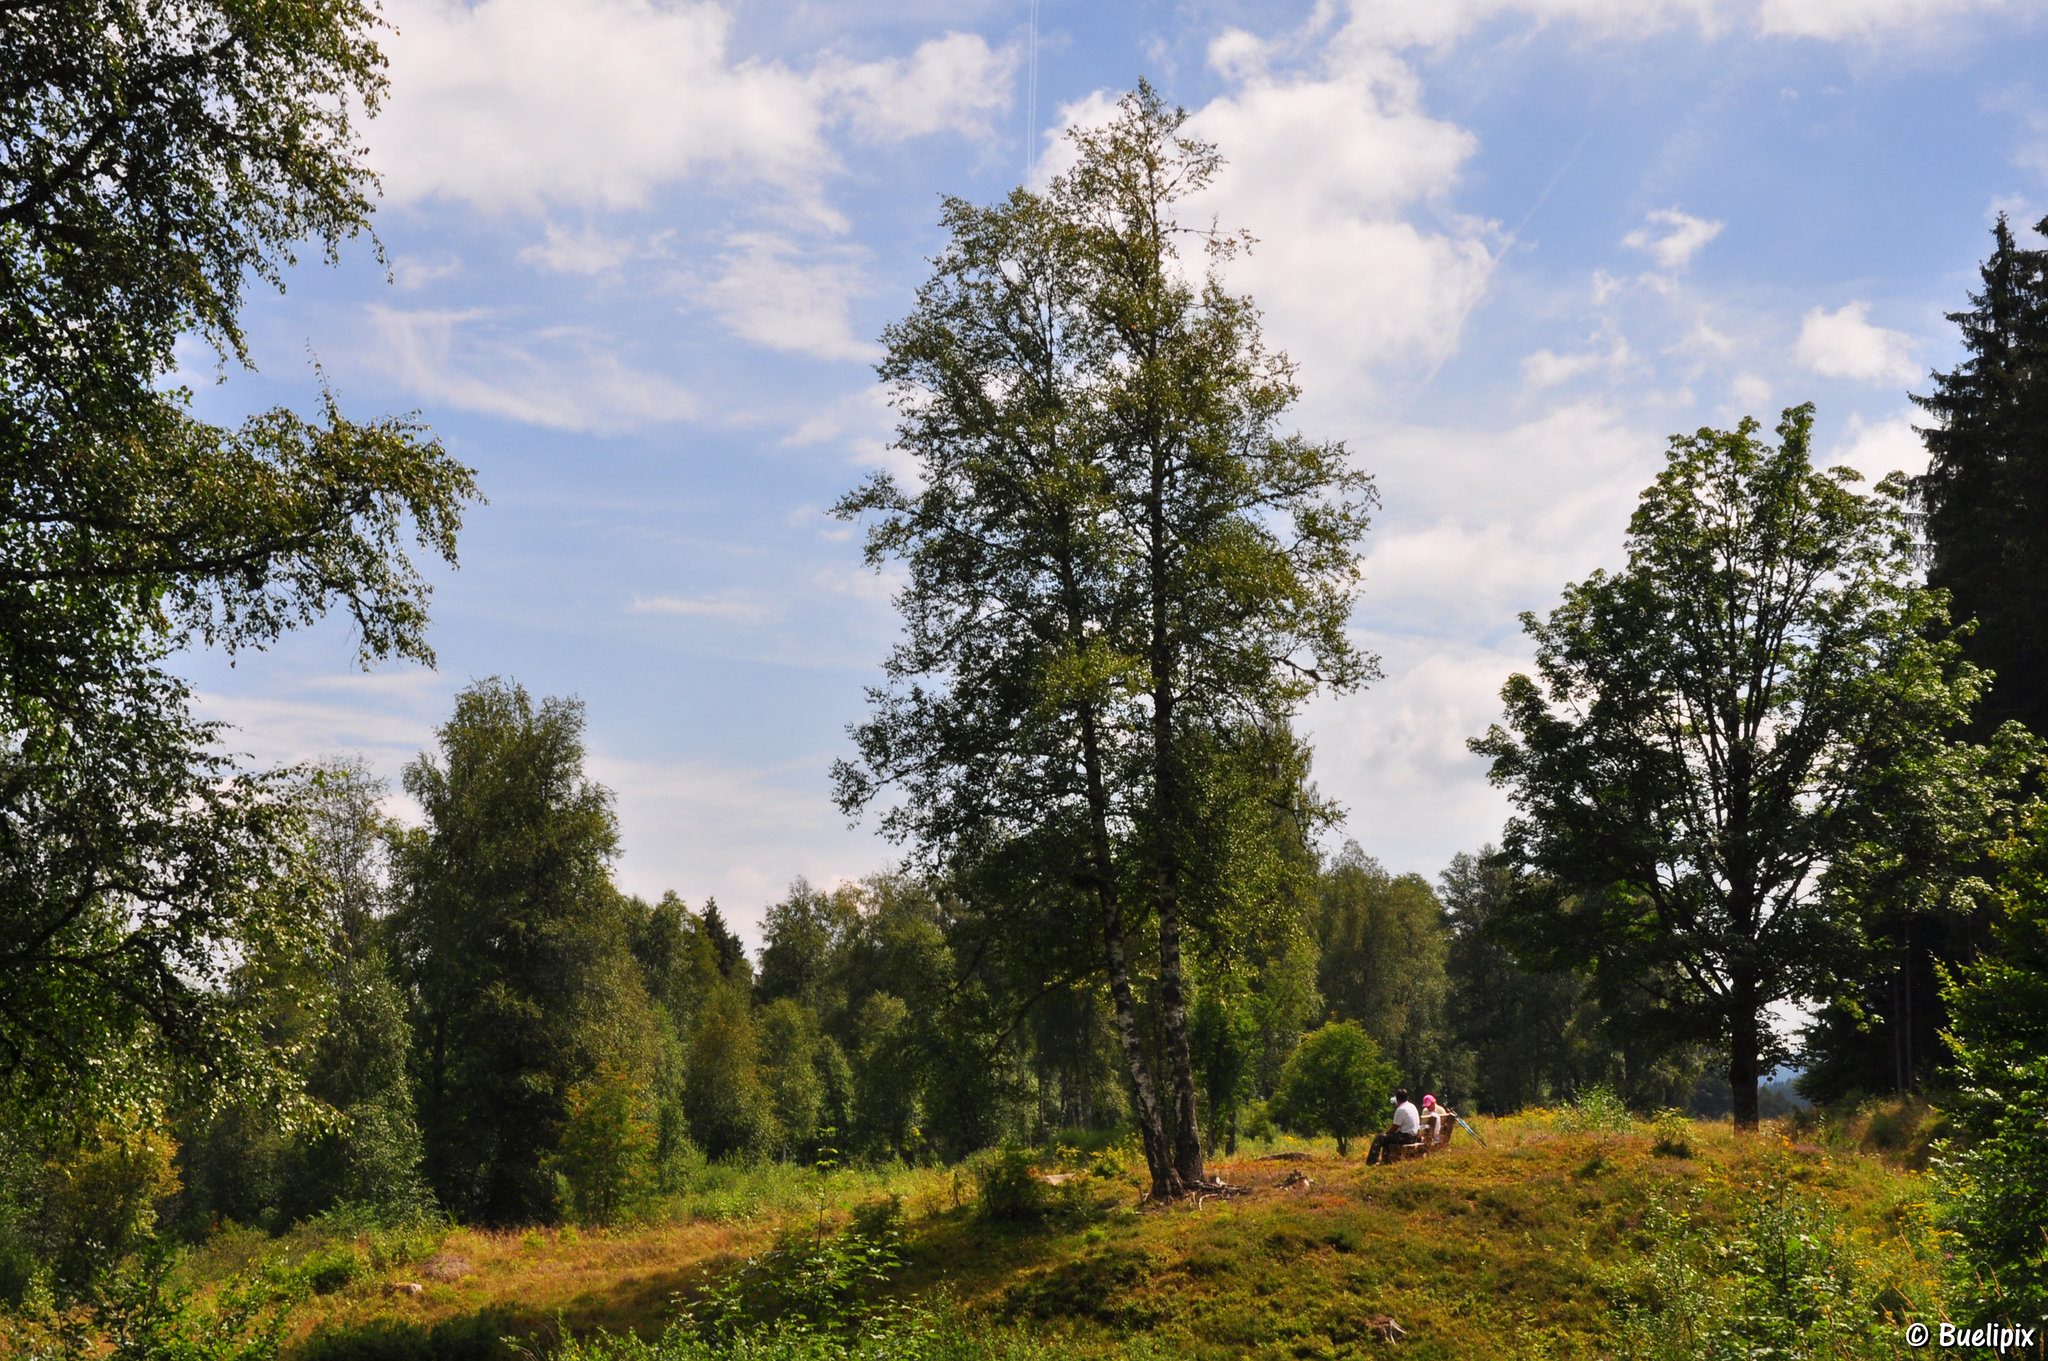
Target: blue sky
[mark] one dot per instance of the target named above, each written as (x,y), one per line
(639,254)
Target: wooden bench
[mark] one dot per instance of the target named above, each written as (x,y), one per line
(1436,1131)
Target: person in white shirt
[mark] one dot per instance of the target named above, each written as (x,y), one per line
(1406,1129)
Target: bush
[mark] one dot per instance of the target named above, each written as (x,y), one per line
(1008,1188)
(880,1219)
(1597,1110)
(606,1154)
(1788,1282)
(1993,1188)
(102,1200)
(1334,1083)
(1671,1134)
(473,1337)
(332,1269)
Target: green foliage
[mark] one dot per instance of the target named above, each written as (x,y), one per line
(1994,1180)
(101,1199)
(790,1055)
(336,1012)
(886,1076)
(1531,1036)
(1336,1084)
(1382,964)
(1986,529)
(1597,1110)
(160,156)
(514,948)
(1112,544)
(606,1151)
(1737,738)
(812,1283)
(332,1269)
(939,1332)
(1671,1134)
(1007,1186)
(1788,1281)
(482,1336)
(730,1111)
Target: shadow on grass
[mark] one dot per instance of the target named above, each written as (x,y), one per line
(486,1335)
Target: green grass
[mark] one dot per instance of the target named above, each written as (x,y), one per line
(1539,1245)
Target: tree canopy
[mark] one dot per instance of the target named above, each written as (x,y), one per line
(156,159)
(1740,742)
(1985,492)
(1124,578)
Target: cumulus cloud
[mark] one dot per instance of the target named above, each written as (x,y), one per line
(1394,757)
(1843,344)
(564,377)
(949,84)
(736,833)
(773,292)
(1672,238)
(517,104)
(1341,178)
(1879,448)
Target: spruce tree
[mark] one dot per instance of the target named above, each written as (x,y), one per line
(1984,507)
(1985,491)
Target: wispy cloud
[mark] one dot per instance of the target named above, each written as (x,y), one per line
(1672,238)
(568,378)
(739,608)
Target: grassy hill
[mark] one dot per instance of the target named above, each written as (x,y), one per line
(1566,1236)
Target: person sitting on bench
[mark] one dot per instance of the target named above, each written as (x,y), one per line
(1406,1129)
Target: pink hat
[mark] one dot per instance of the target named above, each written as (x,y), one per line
(1428,1101)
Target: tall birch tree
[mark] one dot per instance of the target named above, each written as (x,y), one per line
(1123,578)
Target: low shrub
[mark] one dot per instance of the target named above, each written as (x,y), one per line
(879,1219)
(331,1269)
(1008,1188)
(1671,1134)
(1789,1280)
(1597,1110)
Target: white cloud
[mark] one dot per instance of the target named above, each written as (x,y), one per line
(1878,448)
(739,834)
(737,607)
(1843,344)
(1680,239)
(515,103)
(1546,368)
(1751,391)
(1394,757)
(1341,177)
(410,271)
(565,377)
(770,293)
(589,251)
(1837,19)
(949,84)
(1401,23)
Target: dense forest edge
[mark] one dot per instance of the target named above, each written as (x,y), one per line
(1085,1071)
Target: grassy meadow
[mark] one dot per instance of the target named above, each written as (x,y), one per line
(1575,1233)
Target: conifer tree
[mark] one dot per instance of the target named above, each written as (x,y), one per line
(1985,491)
